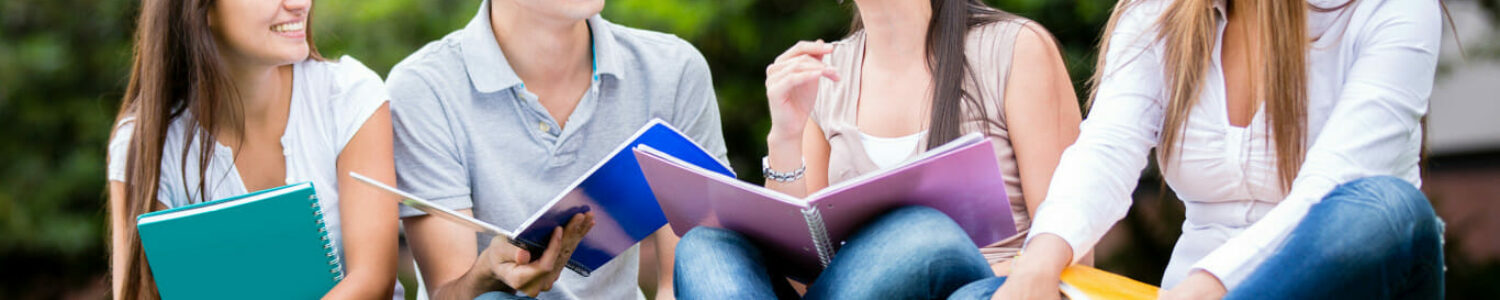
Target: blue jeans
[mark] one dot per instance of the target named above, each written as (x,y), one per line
(1372,238)
(908,253)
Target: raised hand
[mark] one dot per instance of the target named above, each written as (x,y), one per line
(792,85)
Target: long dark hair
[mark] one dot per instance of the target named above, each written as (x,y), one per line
(176,68)
(946,33)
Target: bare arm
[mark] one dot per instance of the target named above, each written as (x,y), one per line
(791,91)
(368,215)
(1041,112)
(118,238)
(445,252)
(666,244)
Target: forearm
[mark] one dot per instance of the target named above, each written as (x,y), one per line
(666,245)
(119,254)
(470,285)
(1045,256)
(784,151)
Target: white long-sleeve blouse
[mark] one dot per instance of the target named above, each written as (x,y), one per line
(1370,70)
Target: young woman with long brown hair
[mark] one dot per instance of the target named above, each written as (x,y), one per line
(1291,131)
(230,96)
(913,74)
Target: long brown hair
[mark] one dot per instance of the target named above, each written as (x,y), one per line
(1188,31)
(176,69)
(946,33)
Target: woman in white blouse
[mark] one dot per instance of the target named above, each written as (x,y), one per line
(228,97)
(1289,128)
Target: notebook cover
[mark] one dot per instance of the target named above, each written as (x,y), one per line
(963,180)
(271,247)
(625,209)
(692,197)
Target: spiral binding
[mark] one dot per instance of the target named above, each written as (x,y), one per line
(819,234)
(336,267)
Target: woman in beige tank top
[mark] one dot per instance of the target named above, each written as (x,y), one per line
(848,108)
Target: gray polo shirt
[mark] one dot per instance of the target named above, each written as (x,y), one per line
(469,135)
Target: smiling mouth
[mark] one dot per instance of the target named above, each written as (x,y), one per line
(291,27)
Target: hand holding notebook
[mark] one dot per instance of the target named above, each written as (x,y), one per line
(505,260)
(533,273)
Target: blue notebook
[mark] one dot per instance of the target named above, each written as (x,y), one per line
(625,210)
(270,244)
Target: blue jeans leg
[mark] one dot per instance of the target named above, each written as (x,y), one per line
(713,263)
(908,253)
(978,290)
(1372,238)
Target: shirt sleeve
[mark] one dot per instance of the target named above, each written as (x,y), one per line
(359,92)
(1091,189)
(1374,129)
(696,111)
(428,161)
(119,149)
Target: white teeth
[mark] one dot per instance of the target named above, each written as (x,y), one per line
(288,27)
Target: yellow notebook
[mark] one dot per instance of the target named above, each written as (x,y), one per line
(1082,282)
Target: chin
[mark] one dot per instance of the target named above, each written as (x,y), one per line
(579,9)
(293,55)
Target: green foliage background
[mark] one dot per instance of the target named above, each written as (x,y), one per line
(63,68)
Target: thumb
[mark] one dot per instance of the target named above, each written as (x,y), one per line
(504,250)
(523,256)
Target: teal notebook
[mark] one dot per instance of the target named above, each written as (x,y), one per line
(270,244)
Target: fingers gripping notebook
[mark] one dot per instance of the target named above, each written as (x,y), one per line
(625,209)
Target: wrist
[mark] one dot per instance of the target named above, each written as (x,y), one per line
(1032,269)
(781,133)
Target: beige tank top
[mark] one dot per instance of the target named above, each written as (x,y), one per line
(989,54)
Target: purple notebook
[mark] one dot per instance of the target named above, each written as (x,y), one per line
(961,178)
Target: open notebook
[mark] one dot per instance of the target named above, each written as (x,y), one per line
(625,210)
(270,244)
(961,178)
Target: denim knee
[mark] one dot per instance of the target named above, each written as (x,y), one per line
(702,239)
(1401,202)
(918,225)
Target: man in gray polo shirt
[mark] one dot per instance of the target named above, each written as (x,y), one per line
(495,119)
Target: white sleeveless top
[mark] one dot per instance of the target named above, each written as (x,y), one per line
(330,101)
(886,152)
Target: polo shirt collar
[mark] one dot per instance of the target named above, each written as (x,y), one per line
(608,60)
